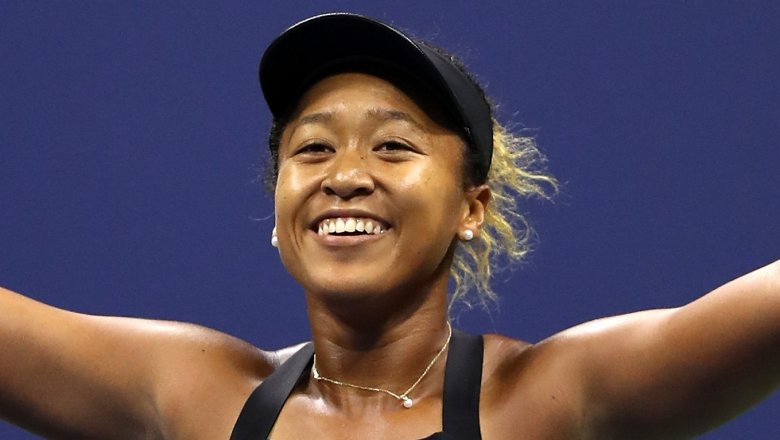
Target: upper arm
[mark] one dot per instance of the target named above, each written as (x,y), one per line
(71,375)
(683,371)
(66,373)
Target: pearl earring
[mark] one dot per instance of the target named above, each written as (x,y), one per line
(274,238)
(468,234)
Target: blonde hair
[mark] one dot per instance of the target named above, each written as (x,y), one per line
(516,172)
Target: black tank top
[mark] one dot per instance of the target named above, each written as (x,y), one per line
(460,410)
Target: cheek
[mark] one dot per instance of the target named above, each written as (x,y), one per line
(434,198)
(292,189)
(281,195)
(291,183)
(288,199)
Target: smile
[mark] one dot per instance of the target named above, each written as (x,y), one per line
(350,226)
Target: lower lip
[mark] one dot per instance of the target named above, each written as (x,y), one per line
(347,240)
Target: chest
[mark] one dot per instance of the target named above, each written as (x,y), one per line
(303,418)
(531,418)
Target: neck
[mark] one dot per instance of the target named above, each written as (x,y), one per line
(403,396)
(380,347)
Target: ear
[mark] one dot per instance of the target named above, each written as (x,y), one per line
(477,200)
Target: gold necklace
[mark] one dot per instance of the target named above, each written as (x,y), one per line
(403,397)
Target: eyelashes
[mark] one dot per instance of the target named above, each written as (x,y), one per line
(393,146)
(314,148)
(385,147)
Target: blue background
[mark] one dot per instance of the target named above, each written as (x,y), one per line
(131,134)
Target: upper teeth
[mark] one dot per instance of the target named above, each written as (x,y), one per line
(349,224)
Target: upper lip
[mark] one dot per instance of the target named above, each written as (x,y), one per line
(345,213)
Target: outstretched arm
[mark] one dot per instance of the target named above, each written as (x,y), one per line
(683,371)
(69,375)
(65,373)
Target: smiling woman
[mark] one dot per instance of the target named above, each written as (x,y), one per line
(513,164)
(391,177)
(367,163)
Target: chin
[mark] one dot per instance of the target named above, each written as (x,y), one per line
(350,277)
(365,291)
(346,287)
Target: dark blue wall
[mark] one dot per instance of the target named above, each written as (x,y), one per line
(130,137)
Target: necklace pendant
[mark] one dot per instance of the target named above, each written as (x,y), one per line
(407,401)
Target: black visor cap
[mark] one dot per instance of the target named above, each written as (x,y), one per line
(315,44)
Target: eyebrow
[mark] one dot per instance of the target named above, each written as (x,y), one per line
(315,118)
(311,118)
(378,114)
(384,114)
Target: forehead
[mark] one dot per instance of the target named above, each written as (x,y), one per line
(346,89)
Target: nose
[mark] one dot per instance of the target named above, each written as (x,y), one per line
(348,176)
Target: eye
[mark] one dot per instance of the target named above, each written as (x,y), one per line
(314,148)
(393,146)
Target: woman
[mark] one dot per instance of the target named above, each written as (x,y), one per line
(390,178)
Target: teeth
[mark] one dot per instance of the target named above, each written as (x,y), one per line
(349,224)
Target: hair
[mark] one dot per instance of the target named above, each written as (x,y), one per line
(517,172)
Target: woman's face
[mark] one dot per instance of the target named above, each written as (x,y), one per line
(370,193)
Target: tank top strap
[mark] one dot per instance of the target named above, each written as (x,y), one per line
(460,409)
(462,384)
(262,408)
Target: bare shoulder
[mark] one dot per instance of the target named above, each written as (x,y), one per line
(182,356)
(179,341)
(503,355)
(541,389)
(602,329)
(514,370)
(527,391)
(572,356)
(262,361)
(203,377)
